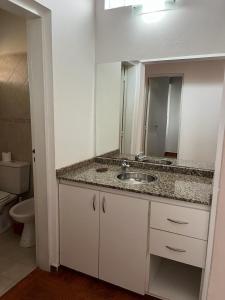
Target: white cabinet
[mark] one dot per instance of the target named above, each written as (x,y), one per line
(79,229)
(112,237)
(181,220)
(104,235)
(123,241)
(178,247)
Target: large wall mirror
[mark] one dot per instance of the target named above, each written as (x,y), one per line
(167,110)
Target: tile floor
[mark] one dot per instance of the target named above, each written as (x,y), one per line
(15,262)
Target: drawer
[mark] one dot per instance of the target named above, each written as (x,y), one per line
(177,247)
(182,220)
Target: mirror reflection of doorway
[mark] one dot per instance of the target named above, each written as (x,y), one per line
(163,116)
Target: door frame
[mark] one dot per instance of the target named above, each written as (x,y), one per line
(148,102)
(123,106)
(39,50)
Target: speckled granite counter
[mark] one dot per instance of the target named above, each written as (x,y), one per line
(189,188)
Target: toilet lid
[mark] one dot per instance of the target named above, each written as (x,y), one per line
(3,196)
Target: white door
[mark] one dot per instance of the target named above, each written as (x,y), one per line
(79,229)
(157,116)
(123,241)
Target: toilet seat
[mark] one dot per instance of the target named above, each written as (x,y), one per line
(23,212)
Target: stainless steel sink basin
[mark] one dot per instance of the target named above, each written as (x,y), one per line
(136,178)
(158,162)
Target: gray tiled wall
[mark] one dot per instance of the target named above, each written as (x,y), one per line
(15,123)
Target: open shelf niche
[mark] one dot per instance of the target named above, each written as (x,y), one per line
(173,280)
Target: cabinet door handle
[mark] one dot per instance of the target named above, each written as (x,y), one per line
(94,202)
(176,249)
(177,221)
(103,205)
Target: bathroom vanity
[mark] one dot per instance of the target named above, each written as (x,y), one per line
(148,238)
(145,227)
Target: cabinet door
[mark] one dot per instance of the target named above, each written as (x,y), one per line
(79,229)
(123,241)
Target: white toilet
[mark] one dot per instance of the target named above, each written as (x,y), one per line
(14,181)
(23,212)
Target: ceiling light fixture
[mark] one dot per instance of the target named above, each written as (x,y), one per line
(151,6)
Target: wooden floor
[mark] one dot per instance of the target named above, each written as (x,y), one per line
(67,285)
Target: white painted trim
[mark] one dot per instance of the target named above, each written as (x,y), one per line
(166,75)
(185,58)
(135,130)
(42,119)
(180,122)
(168,112)
(122,108)
(141,109)
(52,184)
(35,70)
(146,118)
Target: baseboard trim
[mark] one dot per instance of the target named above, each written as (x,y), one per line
(54,269)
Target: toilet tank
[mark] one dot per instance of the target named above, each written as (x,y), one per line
(14,177)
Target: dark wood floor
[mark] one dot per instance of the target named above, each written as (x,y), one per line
(67,285)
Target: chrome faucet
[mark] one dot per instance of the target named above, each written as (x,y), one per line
(140,156)
(124,166)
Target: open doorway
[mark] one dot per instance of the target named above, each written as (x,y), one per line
(163,116)
(33,112)
(17,234)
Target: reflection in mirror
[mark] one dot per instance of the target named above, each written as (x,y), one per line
(128,109)
(108,103)
(162,116)
(168,112)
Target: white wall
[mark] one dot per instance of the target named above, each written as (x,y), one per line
(200,106)
(73,50)
(13,36)
(216,286)
(108,104)
(216,289)
(194,27)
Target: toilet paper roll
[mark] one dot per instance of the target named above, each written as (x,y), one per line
(6,156)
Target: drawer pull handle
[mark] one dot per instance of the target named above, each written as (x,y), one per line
(176,249)
(103,205)
(177,221)
(94,203)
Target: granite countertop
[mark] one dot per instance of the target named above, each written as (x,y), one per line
(189,188)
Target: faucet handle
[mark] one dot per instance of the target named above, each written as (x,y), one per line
(138,155)
(125,163)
